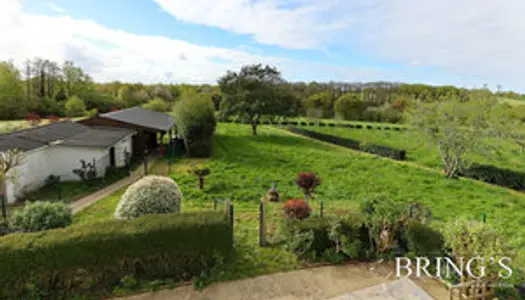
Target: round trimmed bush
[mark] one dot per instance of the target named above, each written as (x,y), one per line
(150,195)
(40,215)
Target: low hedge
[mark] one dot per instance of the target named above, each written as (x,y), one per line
(491,174)
(353,144)
(383,151)
(63,262)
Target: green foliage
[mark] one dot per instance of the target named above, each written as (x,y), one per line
(253,92)
(158,104)
(349,107)
(13,104)
(320,105)
(91,113)
(39,216)
(467,239)
(196,121)
(308,237)
(75,107)
(353,144)
(150,195)
(491,174)
(100,254)
(423,240)
(457,128)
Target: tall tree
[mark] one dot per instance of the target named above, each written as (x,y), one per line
(252,92)
(12,100)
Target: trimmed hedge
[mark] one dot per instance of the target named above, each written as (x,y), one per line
(62,262)
(352,144)
(383,151)
(498,176)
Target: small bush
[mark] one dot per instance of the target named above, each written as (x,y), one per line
(307,182)
(308,237)
(358,126)
(150,195)
(39,216)
(296,209)
(422,240)
(369,127)
(75,107)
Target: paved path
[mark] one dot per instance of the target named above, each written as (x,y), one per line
(402,289)
(86,201)
(310,284)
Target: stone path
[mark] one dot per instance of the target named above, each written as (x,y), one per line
(86,201)
(402,289)
(309,284)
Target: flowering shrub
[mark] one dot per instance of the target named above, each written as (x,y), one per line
(308,181)
(296,209)
(150,195)
(39,216)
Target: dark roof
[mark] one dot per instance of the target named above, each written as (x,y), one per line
(142,117)
(65,133)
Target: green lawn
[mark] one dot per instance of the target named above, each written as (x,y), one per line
(423,153)
(244,168)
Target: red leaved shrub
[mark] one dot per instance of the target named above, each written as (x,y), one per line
(307,181)
(33,119)
(296,209)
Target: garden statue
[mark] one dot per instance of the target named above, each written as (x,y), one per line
(272,194)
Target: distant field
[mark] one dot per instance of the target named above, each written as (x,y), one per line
(421,152)
(12,125)
(511,101)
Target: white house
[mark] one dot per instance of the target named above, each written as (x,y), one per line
(57,149)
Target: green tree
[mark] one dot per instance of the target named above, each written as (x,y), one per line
(157,104)
(251,93)
(196,122)
(349,107)
(13,103)
(458,129)
(319,105)
(75,107)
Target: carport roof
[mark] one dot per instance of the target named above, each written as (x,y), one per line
(65,133)
(142,117)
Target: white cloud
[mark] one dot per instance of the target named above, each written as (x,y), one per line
(289,23)
(56,8)
(110,54)
(482,40)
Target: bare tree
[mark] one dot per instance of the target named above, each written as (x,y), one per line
(9,160)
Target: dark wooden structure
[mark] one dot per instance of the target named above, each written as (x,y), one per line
(149,125)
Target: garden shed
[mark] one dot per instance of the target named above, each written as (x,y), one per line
(57,149)
(148,124)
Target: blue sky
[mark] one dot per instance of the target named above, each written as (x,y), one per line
(440,42)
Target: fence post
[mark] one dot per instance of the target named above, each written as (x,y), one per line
(231,212)
(59,191)
(262,226)
(484,217)
(322,208)
(214,204)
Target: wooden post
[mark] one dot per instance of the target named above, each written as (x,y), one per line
(214,204)
(322,207)
(262,225)
(231,214)
(484,217)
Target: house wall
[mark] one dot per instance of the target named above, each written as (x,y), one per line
(60,161)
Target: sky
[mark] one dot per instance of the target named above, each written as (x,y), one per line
(465,43)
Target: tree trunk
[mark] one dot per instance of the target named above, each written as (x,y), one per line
(254,129)
(4,212)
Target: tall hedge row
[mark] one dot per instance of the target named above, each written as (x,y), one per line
(353,144)
(491,174)
(151,247)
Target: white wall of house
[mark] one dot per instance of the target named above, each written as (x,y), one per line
(120,147)
(58,160)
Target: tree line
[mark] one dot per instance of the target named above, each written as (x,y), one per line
(49,88)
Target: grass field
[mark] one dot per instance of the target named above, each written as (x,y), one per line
(245,166)
(423,153)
